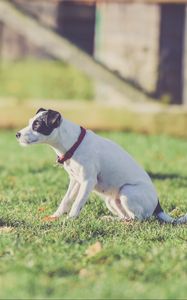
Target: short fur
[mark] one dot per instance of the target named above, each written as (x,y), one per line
(98,165)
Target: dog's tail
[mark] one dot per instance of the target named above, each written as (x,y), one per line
(164,217)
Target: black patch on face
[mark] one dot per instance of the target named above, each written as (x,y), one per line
(47,122)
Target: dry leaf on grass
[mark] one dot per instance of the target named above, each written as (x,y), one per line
(41,209)
(6,229)
(50,219)
(93,249)
(84,273)
(176,213)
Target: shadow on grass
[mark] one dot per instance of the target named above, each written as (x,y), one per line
(13,224)
(39,170)
(165,176)
(28,225)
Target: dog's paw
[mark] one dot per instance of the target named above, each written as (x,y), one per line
(50,219)
(127,221)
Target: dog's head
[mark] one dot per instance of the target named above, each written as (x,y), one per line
(41,127)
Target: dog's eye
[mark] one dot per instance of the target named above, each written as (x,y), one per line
(35,124)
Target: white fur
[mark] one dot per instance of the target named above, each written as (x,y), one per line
(98,165)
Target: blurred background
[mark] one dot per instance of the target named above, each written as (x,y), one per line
(106,64)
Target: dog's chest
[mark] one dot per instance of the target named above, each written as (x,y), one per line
(73,170)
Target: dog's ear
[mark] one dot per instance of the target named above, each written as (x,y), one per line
(53,118)
(41,109)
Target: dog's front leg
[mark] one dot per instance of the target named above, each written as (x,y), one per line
(70,195)
(84,191)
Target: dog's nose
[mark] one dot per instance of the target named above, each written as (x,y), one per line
(18,134)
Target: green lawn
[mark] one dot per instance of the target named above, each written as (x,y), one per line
(44,79)
(140,260)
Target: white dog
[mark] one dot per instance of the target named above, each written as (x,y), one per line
(95,164)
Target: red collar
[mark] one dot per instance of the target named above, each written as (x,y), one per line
(71,151)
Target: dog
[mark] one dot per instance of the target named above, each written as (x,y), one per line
(95,164)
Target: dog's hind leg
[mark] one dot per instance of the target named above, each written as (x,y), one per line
(109,206)
(70,195)
(139,200)
(133,198)
(114,207)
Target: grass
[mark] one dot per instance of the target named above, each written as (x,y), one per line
(140,260)
(98,116)
(30,79)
